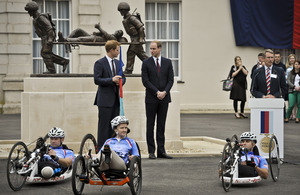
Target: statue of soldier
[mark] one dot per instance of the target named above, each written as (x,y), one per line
(135,29)
(44,28)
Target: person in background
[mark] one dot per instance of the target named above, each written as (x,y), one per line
(294,91)
(238,92)
(289,67)
(259,64)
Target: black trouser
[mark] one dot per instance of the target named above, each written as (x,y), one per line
(106,114)
(158,110)
(235,102)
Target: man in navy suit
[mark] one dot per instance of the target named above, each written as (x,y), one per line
(106,76)
(276,87)
(158,78)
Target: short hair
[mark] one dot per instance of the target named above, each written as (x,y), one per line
(268,51)
(261,54)
(111,44)
(277,52)
(158,43)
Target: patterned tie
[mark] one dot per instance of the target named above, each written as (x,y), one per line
(113,67)
(268,79)
(157,65)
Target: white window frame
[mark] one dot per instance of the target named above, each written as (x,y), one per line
(167,40)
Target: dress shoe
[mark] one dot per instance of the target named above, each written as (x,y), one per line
(152,156)
(243,115)
(237,116)
(164,155)
(107,153)
(297,120)
(286,120)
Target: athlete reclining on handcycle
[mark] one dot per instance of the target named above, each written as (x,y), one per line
(59,157)
(254,165)
(117,151)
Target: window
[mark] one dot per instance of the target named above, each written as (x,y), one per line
(163,24)
(60,13)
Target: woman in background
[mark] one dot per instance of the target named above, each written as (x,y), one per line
(289,67)
(238,92)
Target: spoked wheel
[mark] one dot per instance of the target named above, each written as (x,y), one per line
(87,143)
(78,172)
(274,158)
(135,176)
(227,159)
(234,138)
(17,157)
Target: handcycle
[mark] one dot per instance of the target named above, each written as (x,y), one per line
(231,157)
(23,165)
(86,170)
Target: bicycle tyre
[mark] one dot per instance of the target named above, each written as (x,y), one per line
(78,170)
(274,158)
(226,164)
(88,142)
(135,176)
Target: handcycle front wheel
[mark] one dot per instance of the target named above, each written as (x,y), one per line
(135,176)
(274,158)
(226,164)
(78,172)
(17,157)
(88,143)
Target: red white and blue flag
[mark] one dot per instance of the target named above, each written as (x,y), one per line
(266,23)
(266,122)
(120,83)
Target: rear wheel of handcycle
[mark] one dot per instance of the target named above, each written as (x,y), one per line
(234,138)
(135,176)
(274,158)
(88,143)
(79,171)
(17,157)
(226,163)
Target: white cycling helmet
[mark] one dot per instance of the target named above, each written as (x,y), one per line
(56,132)
(248,135)
(118,120)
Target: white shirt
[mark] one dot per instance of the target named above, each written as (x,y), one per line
(110,65)
(297,80)
(266,69)
(159,60)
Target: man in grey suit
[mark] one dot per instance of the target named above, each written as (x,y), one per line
(158,78)
(268,81)
(106,76)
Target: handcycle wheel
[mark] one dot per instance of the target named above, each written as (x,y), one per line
(274,158)
(226,163)
(234,138)
(135,176)
(88,143)
(17,157)
(78,170)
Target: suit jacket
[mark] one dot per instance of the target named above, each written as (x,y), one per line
(157,81)
(259,85)
(107,91)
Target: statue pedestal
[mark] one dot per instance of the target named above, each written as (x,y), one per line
(67,102)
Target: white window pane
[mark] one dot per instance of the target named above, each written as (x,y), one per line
(173,11)
(164,49)
(40,4)
(173,30)
(63,26)
(51,8)
(161,30)
(173,50)
(63,9)
(150,30)
(161,11)
(38,66)
(150,11)
(175,67)
(37,46)
(148,48)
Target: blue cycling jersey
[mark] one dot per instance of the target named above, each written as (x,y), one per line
(259,160)
(61,153)
(123,147)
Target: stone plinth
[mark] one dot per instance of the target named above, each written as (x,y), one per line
(67,102)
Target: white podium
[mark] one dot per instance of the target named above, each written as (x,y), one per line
(266,120)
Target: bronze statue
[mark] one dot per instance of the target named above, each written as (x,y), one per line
(79,35)
(134,27)
(45,29)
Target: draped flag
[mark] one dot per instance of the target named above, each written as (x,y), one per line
(266,122)
(120,83)
(266,23)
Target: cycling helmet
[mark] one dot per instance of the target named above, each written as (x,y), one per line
(248,135)
(56,132)
(119,120)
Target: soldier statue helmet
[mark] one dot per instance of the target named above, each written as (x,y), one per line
(31,6)
(123,6)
